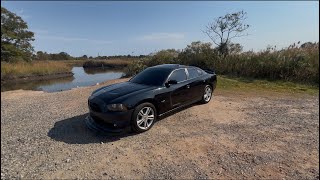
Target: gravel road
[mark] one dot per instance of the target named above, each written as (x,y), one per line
(43,136)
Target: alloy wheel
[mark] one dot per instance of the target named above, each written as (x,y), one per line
(207,94)
(145,118)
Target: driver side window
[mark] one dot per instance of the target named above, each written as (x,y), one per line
(178,75)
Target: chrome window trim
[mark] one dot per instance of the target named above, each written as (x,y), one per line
(174,71)
(187,73)
(197,76)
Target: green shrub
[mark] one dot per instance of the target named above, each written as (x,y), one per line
(106,63)
(134,68)
(296,64)
(168,56)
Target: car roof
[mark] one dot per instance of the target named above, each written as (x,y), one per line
(171,66)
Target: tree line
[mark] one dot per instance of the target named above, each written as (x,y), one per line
(40,56)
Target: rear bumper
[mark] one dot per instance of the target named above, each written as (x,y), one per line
(109,122)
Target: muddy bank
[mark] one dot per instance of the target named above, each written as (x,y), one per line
(7,79)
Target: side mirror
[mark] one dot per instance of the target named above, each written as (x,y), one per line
(171,82)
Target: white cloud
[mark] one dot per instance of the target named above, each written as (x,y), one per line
(22,14)
(39,31)
(73,39)
(162,36)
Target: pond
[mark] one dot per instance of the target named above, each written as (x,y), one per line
(81,78)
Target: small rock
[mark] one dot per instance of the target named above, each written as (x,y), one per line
(68,160)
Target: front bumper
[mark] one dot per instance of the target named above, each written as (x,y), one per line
(110,121)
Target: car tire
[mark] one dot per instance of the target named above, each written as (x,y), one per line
(207,94)
(143,117)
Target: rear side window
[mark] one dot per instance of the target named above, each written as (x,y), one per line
(200,72)
(178,75)
(193,73)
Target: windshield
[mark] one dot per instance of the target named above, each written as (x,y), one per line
(151,76)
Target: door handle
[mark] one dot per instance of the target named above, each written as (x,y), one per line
(188,86)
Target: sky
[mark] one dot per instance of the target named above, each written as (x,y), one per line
(109,28)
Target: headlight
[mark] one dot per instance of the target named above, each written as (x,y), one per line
(116,107)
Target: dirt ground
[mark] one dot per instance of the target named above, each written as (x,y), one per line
(237,135)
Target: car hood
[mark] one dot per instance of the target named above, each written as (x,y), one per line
(111,92)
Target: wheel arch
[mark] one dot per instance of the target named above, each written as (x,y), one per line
(148,100)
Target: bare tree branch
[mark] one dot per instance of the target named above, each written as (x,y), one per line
(229,25)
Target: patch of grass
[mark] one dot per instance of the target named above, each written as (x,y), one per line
(33,68)
(246,85)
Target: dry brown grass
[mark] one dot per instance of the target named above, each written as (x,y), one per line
(33,68)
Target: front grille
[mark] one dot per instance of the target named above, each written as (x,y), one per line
(97,119)
(94,107)
(101,122)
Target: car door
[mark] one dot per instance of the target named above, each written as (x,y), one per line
(180,91)
(195,83)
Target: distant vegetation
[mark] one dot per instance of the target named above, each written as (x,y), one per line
(297,63)
(40,56)
(114,63)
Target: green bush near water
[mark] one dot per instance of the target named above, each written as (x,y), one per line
(295,63)
(106,63)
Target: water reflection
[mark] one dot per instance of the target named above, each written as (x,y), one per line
(82,77)
(100,70)
(31,85)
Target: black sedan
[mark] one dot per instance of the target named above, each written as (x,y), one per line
(150,94)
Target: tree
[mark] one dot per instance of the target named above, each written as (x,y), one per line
(198,54)
(234,48)
(63,56)
(15,37)
(167,56)
(42,55)
(198,47)
(223,29)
